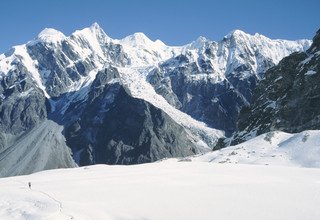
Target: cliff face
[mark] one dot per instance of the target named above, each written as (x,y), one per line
(116,128)
(287,99)
(212,81)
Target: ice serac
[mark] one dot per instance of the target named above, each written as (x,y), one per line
(287,99)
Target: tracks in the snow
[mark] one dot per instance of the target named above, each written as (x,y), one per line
(68,216)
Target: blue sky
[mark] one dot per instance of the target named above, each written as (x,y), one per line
(175,22)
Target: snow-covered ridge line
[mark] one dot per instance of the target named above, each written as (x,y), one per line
(144,52)
(141,41)
(92,45)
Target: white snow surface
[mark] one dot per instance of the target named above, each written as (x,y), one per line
(164,190)
(144,52)
(272,176)
(273,148)
(50,35)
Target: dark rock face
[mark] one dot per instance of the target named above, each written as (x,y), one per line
(192,89)
(214,81)
(116,128)
(287,99)
(22,104)
(216,104)
(28,141)
(60,65)
(54,64)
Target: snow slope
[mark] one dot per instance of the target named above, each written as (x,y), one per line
(273,148)
(216,185)
(164,190)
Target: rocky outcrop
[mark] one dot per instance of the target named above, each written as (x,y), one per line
(22,104)
(116,128)
(287,99)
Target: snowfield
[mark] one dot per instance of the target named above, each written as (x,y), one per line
(273,148)
(164,190)
(273,176)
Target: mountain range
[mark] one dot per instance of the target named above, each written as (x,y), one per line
(87,98)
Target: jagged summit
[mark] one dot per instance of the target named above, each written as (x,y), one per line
(316,43)
(199,43)
(236,33)
(139,39)
(95,26)
(91,32)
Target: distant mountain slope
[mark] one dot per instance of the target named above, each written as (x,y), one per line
(116,128)
(287,99)
(195,90)
(212,81)
(41,148)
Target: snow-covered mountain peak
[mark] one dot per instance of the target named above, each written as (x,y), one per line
(97,30)
(93,39)
(50,35)
(236,34)
(199,43)
(201,39)
(240,38)
(159,42)
(95,26)
(94,31)
(137,39)
(145,52)
(253,50)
